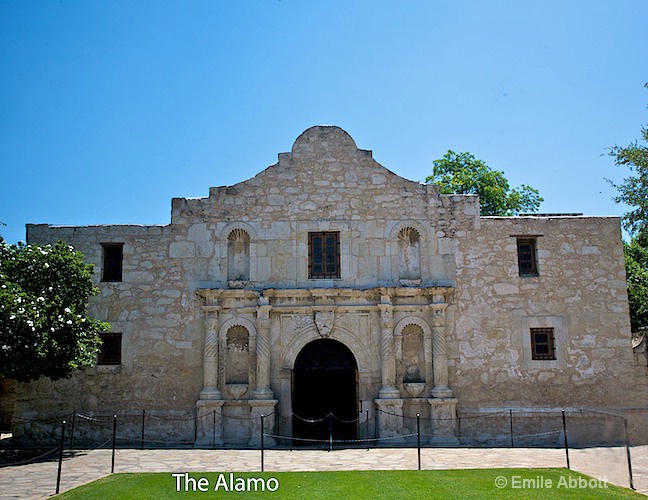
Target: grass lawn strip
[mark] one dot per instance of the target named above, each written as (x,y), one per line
(464,483)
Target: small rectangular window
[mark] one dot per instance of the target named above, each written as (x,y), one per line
(527,260)
(112,261)
(110,353)
(542,344)
(324,255)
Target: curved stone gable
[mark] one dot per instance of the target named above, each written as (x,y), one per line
(324,176)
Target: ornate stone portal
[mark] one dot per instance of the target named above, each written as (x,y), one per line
(281,322)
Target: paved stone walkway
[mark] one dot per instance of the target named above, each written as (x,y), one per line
(38,480)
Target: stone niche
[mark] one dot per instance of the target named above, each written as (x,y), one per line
(238,256)
(409,256)
(237,361)
(413,362)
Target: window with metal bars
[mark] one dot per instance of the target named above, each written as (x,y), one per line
(110,353)
(113,255)
(527,260)
(542,344)
(324,255)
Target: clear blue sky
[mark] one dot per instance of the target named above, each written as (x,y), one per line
(110,109)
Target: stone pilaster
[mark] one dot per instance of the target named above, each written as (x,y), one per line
(209,423)
(428,358)
(263,390)
(265,407)
(440,356)
(443,412)
(210,354)
(387,358)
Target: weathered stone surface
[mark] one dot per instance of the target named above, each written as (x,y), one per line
(429,293)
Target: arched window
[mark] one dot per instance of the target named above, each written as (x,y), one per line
(409,254)
(238,255)
(238,355)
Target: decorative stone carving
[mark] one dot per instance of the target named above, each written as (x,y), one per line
(325,320)
(236,391)
(414,389)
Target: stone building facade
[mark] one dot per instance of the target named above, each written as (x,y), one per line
(327,284)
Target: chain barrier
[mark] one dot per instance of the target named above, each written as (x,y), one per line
(311,421)
(30,460)
(334,441)
(603,425)
(88,425)
(459,416)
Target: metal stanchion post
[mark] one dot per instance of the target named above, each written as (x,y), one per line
(262,445)
(214,430)
(367,426)
(625,423)
(330,431)
(198,417)
(72,429)
(143,420)
(565,437)
(60,464)
(114,440)
(511,422)
(418,438)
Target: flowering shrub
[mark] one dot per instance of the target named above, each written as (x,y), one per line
(44,326)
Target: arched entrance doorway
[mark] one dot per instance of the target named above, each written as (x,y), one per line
(325,392)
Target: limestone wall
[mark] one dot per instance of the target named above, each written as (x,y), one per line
(156,310)
(580,291)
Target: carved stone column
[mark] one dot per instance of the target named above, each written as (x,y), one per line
(387,359)
(443,407)
(440,356)
(209,415)
(428,358)
(210,354)
(263,390)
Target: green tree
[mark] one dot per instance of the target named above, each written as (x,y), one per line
(636,259)
(633,191)
(462,173)
(44,326)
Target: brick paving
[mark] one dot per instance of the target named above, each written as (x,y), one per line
(38,480)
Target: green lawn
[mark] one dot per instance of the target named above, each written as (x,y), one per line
(401,485)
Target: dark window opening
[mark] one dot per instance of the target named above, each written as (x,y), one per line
(112,262)
(324,255)
(542,344)
(110,353)
(527,261)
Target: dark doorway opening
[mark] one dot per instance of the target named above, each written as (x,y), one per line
(325,392)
